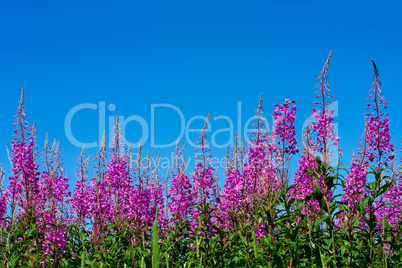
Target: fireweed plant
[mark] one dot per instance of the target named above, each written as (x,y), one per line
(126,215)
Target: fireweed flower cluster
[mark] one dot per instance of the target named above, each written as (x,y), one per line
(52,201)
(322,123)
(303,183)
(24,181)
(376,148)
(117,192)
(393,196)
(285,144)
(378,136)
(180,192)
(323,130)
(354,190)
(233,194)
(205,186)
(125,194)
(380,150)
(33,194)
(259,171)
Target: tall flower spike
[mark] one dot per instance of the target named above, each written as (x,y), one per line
(303,183)
(285,138)
(394,196)
(46,152)
(117,143)
(376,94)
(155,179)
(20,121)
(117,175)
(166,192)
(52,202)
(178,159)
(379,146)
(232,197)
(259,135)
(129,159)
(100,161)
(203,145)
(179,198)
(218,191)
(229,164)
(236,153)
(322,124)
(1,179)
(35,152)
(323,87)
(139,167)
(79,204)
(256,180)
(355,181)
(23,182)
(242,153)
(3,199)
(204,184)
(379,149)
(147,169)
(307,139)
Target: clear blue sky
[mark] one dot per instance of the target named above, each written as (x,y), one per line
(199,56)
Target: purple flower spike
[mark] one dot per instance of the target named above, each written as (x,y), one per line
(322,123)
(378,136)
(285,138)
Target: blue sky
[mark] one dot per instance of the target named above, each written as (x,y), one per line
(200,57)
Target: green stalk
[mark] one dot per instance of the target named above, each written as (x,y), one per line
(200,264)
(155,242)
(255,246)
(167,260)
(383,230)
(310,238)
(83,260)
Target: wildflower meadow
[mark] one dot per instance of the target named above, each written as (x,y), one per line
(124,213)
